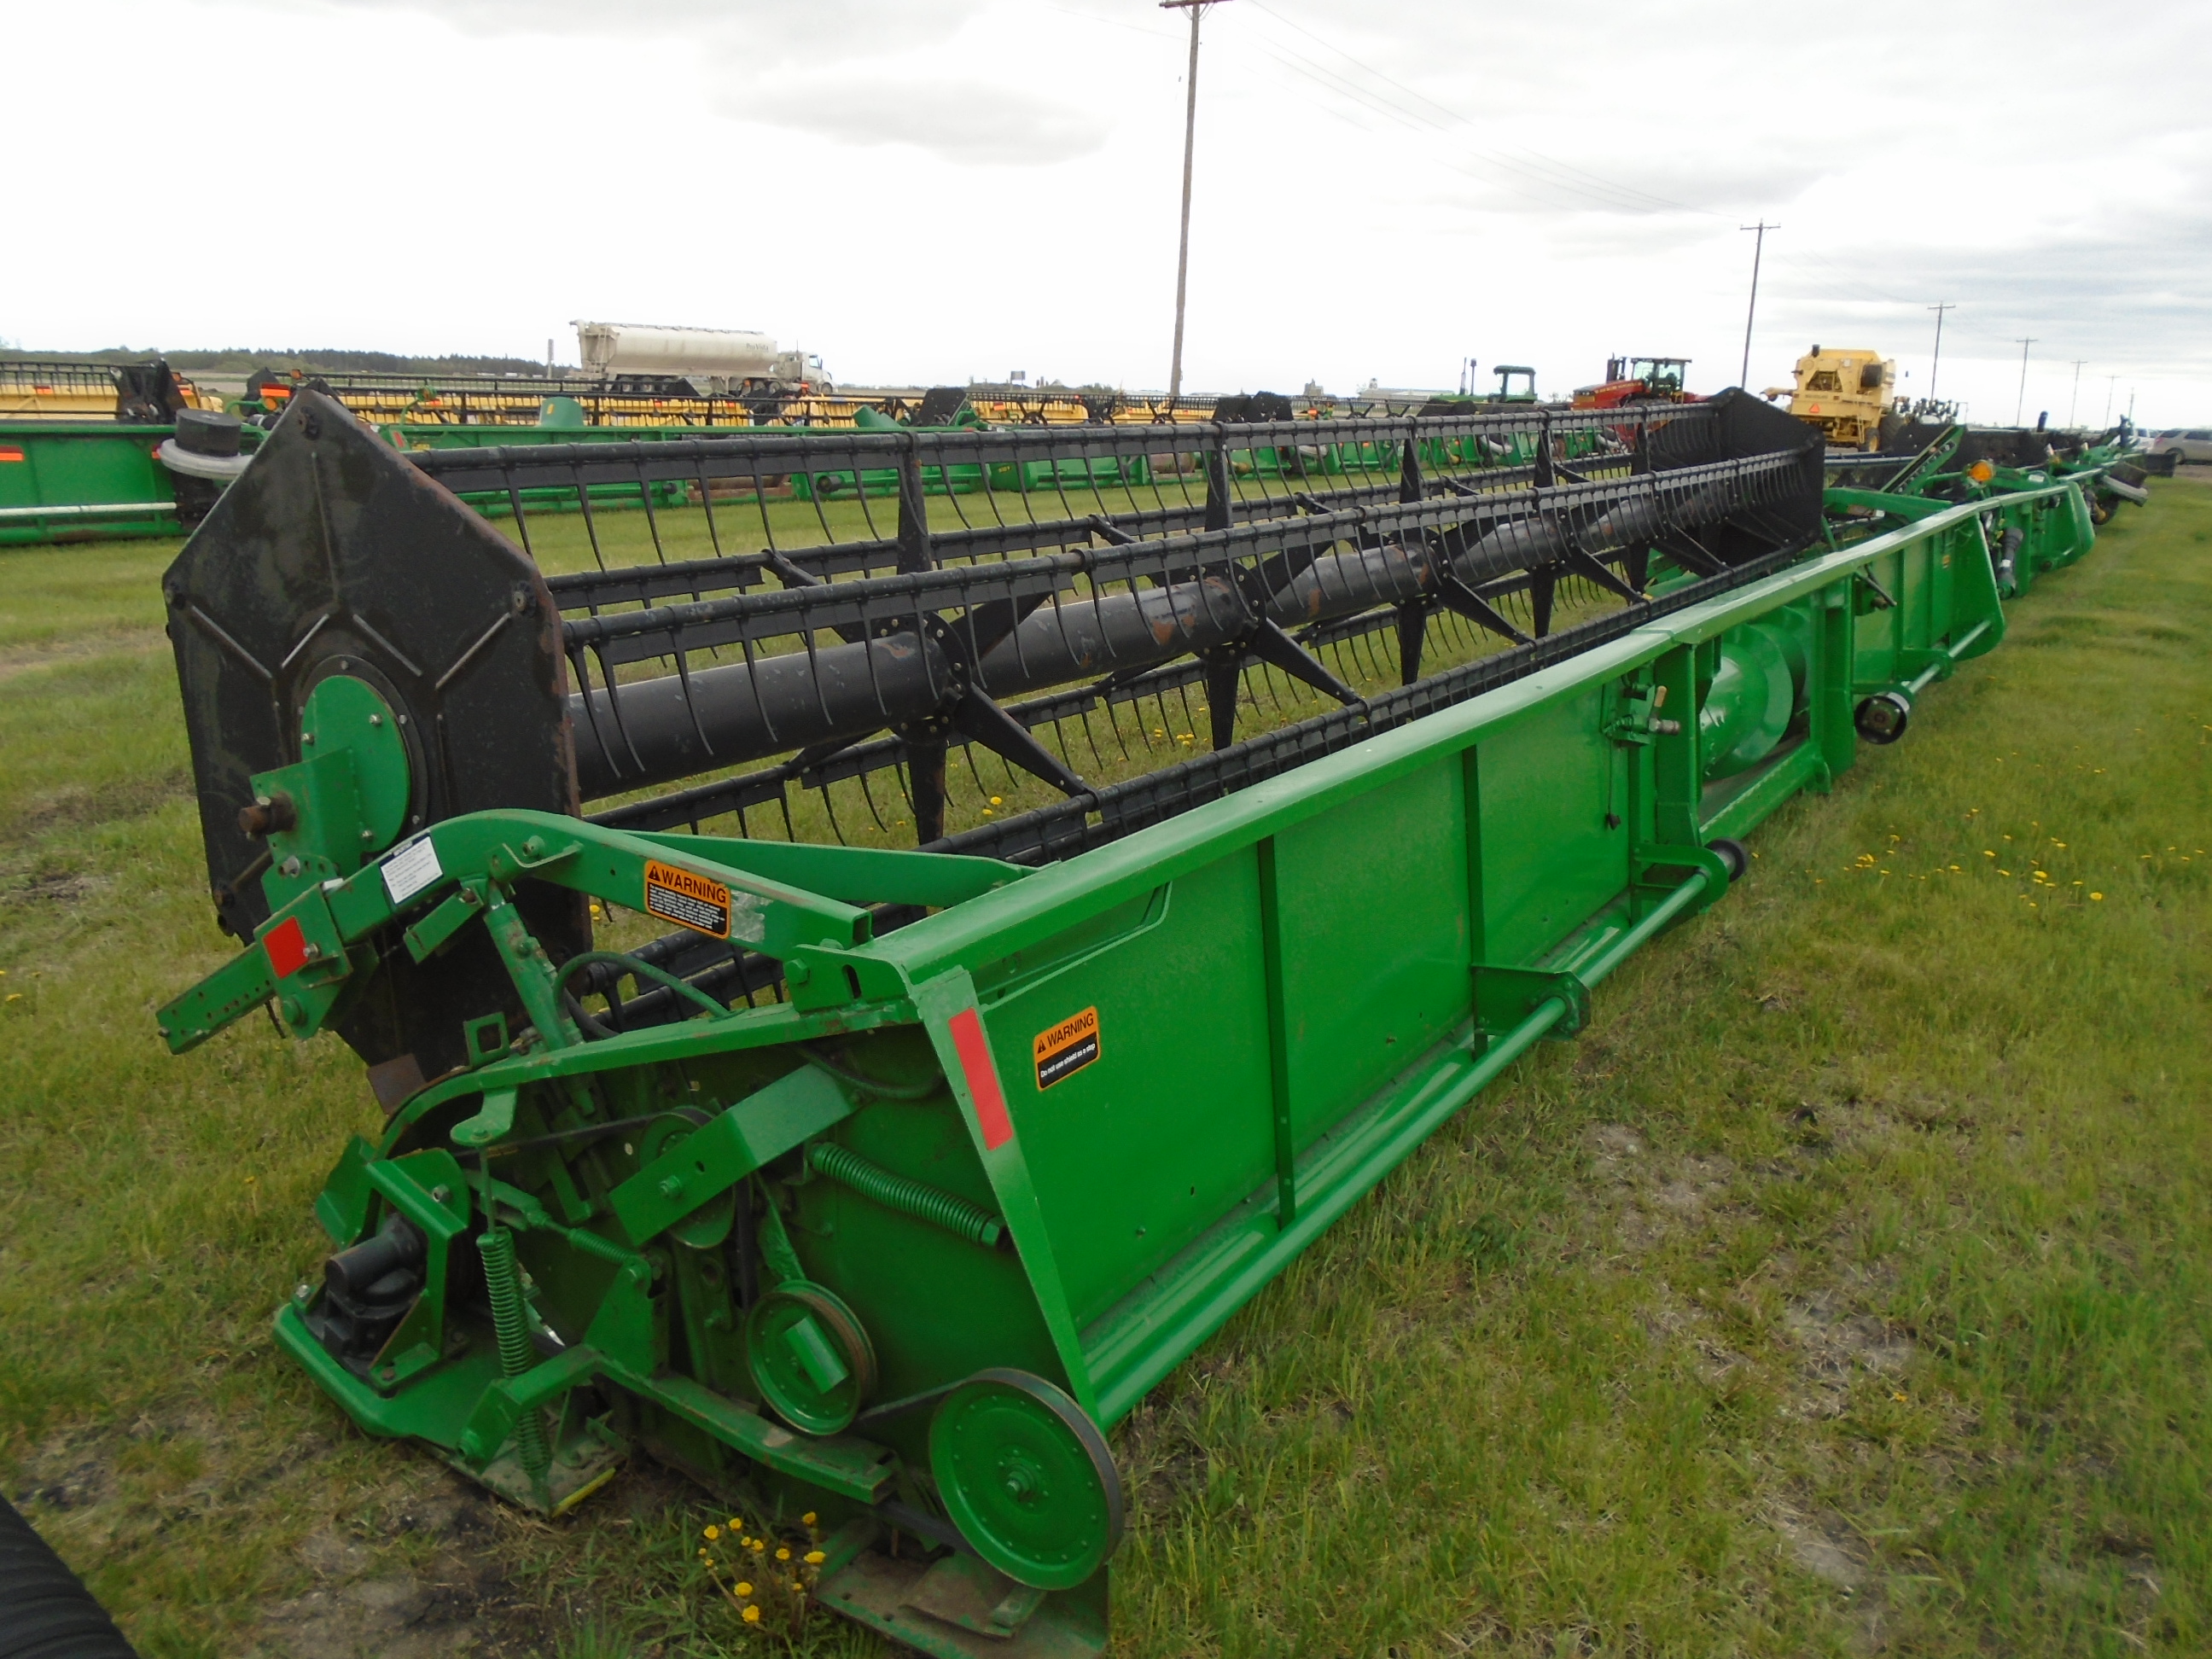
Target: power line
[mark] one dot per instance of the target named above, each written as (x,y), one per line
(1538,167)
(2019,404)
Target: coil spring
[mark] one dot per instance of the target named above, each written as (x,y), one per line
(504,1288)
(908,1197)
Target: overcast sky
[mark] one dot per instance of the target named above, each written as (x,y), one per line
(932,191)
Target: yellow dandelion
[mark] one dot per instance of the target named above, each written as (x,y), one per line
(755,1546)
(752,1615)
(15,996)
(783,1555)
(713,1533)
(735,1525)
(2096,895)
(807,1519)
(744,1589)
(1896,1396)
(815,1558)
(796,1587)
(997,801)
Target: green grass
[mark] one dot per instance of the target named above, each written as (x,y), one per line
(1845,1288)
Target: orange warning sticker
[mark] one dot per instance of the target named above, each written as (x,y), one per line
(1066,1049)
(687,899)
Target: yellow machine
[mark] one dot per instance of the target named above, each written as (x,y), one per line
(67,389)
(1845,393)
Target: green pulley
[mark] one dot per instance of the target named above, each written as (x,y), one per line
(1026,1476)
(810,1356)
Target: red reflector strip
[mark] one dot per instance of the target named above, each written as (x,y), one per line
(288,949)
(982,1079)
(11,455)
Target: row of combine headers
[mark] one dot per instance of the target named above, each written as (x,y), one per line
(871,945)
(95,450)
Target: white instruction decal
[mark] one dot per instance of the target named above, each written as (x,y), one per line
(412,868)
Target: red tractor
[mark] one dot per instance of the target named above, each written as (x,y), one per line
(1638,379)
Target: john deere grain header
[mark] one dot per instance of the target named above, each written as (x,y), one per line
(849,1023)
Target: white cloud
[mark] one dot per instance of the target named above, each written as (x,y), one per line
(925,190)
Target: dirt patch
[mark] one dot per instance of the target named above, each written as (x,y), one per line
(459,1601)
(77,804)
(25,660)
(1825,1552)
(63,888)
(1617,1151)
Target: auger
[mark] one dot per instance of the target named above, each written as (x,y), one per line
(901,1173)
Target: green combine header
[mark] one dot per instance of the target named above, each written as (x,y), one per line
(871,1183)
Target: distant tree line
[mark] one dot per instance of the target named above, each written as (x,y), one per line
(238,359)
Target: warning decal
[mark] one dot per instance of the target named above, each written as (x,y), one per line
(687,899)
(1066,1049)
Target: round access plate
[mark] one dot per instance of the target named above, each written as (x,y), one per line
(344,711)
(1027,1477)
(810,1356)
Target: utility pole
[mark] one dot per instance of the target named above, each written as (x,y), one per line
(1197,10)
(2076,397)
(2111,381)
(1757,248)
(1936,361)
(2019,404)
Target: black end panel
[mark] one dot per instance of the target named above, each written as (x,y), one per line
(332,554)
(1736,427)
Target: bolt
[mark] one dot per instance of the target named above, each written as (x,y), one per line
(671,1186)
(376,719)
(301,1292)
(441,1195)
(313,952)
(290,867)
(306,738)
(294,1011)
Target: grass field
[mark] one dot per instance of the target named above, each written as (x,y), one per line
(1845,1289)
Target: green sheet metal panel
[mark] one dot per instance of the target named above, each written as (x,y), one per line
(1548,858)
(1373,923)
(1134,1155)
(899,1273)
(87,464)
